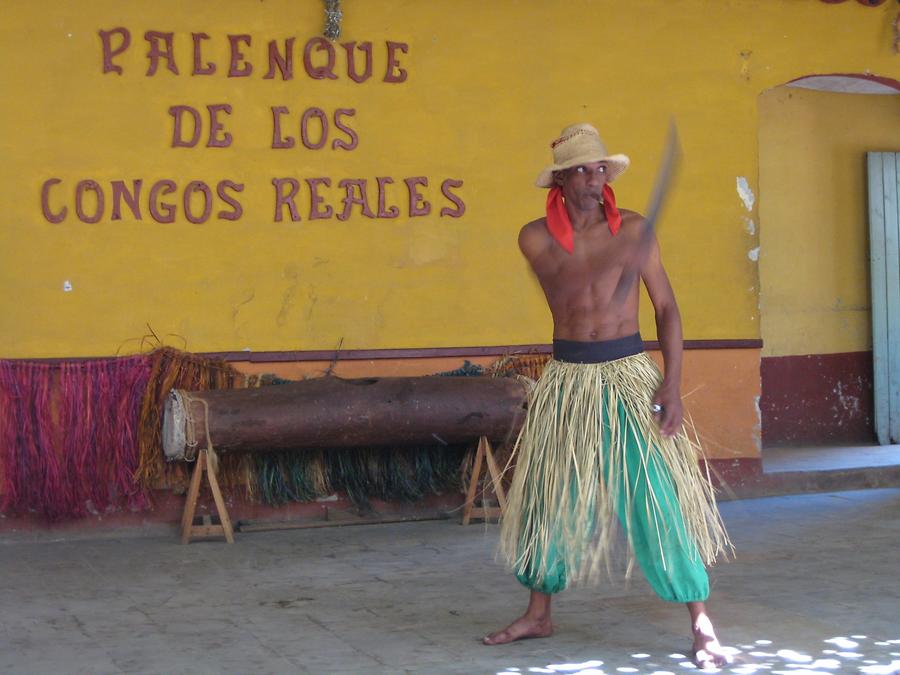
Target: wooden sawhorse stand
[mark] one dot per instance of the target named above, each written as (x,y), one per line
(207,529)
(484,453)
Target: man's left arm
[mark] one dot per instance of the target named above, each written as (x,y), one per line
(669,334)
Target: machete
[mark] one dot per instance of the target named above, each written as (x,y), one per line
(664,178)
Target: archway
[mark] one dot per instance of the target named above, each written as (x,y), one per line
(816,367)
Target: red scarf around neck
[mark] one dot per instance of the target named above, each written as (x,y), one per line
(560,226)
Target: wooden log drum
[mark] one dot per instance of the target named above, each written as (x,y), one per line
(331,412)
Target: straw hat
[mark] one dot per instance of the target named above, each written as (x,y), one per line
(580,144)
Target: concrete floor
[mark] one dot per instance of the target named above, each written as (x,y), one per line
(828,458)
(814,589)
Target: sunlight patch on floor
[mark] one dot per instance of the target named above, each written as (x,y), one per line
(841,654)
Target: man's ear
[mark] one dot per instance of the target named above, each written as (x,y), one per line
(557,178)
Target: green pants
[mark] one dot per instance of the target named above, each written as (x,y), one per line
(666,555)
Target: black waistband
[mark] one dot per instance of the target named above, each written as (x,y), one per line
(574,351)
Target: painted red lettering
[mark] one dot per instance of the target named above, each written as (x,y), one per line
(199,68)
(319,72)
(285,64)
(418,205)
(351,188)
(177,111)
(319,114)
(51,217)
(282,200)
(215,126)
(366,48)
(278,141)
(315,199)
(120,193)
(155,52)
(393,64)
(390,211)
(354,139)
(192,188)
(86,186)
(162,213)
(109,52)
(237,57)
(454,199)
(236,209)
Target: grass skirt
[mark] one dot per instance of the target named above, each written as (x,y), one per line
(573,478)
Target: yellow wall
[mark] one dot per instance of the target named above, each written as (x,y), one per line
(489,85)
(814,256)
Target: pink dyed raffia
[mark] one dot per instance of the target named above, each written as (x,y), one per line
(68,435)
(31,467)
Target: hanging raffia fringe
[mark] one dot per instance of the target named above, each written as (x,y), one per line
(525,365)
(81,437)
(363,474)
(174,369)
(68,436)
(333,18)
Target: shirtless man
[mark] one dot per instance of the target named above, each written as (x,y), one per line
(579,253)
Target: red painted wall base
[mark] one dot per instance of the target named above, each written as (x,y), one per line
(817,399)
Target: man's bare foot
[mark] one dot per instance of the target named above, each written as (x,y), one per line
(707,652)
(523,628)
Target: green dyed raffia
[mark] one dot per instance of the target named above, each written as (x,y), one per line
(401,474)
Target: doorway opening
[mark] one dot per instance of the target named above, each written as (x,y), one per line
(816,404)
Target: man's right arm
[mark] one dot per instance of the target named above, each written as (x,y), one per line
(534,241)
